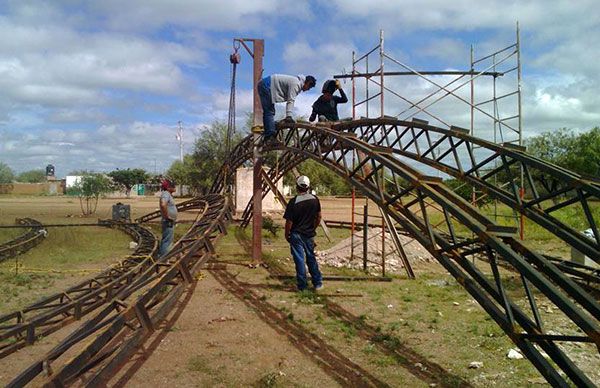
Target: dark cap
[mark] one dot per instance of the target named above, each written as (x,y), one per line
(312,81)
(167,183)
(329,86)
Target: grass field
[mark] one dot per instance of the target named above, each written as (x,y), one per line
(66,256)
(428,325)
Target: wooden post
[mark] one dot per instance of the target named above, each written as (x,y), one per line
(257,220)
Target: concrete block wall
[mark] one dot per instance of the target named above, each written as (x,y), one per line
(243,192)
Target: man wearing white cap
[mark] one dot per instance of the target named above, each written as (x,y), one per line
(302,216)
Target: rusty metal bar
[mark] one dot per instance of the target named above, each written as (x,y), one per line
(365,235)
(23,242)
(143,314)
(426,72)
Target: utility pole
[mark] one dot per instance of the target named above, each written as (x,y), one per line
(257,53)
(179,137)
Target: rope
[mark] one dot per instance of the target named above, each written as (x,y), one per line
(20,268)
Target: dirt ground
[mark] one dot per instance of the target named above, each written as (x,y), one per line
(238,326)
(241,327)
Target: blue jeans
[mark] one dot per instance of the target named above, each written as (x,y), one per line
(264,92)
(167,237)
(300,247)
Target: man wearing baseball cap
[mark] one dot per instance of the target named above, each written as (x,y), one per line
(302,216)
(168,211)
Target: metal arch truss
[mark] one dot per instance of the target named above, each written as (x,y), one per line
(25,241)
(38,320)
(494,169)
(467,243)
(94,351)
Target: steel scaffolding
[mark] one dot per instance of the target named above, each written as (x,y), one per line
(502,108)
(489,103)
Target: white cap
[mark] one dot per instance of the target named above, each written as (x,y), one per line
(303,181)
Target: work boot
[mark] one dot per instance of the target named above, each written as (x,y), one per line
(272,141)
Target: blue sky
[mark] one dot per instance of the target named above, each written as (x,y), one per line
(101,85)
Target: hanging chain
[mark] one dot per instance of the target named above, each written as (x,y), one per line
(234,59)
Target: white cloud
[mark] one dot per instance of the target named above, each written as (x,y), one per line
(61,67)
(103,83)
(447,49)
(105,148)
(463,15)
(237,15)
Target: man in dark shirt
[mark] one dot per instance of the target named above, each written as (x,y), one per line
(302,216)
(325,108)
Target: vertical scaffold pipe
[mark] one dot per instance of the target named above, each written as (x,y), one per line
(257,220)
(365,235)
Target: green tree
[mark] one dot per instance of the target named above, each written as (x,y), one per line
(184,173)
(553,146)
(579,153)
(89,189)
(585,155)
(6,174)
(32,176)
(199,169)
(323,180)
(126,179)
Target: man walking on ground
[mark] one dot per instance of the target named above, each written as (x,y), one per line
(168,211)
(280,88)
(302,216)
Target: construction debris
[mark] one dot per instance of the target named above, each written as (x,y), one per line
(340,254)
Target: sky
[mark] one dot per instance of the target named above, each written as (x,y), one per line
(101,85)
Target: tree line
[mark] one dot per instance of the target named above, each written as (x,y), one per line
(578,152)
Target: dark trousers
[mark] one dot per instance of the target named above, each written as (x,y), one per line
(264,92)
(303,247)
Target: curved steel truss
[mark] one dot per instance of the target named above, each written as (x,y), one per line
(493,169)
(96,349)
(466,242)
(26,326)
(25,241)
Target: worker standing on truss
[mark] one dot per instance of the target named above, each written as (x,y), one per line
(325,108)
(280,88)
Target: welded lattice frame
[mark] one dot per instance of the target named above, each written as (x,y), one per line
(467,243)
(113,334)
(23,242)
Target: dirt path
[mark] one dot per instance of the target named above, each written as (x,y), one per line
(239,327)
(221,341)
(242,327)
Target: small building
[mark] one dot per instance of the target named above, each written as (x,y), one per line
(243,191)
(72,180)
